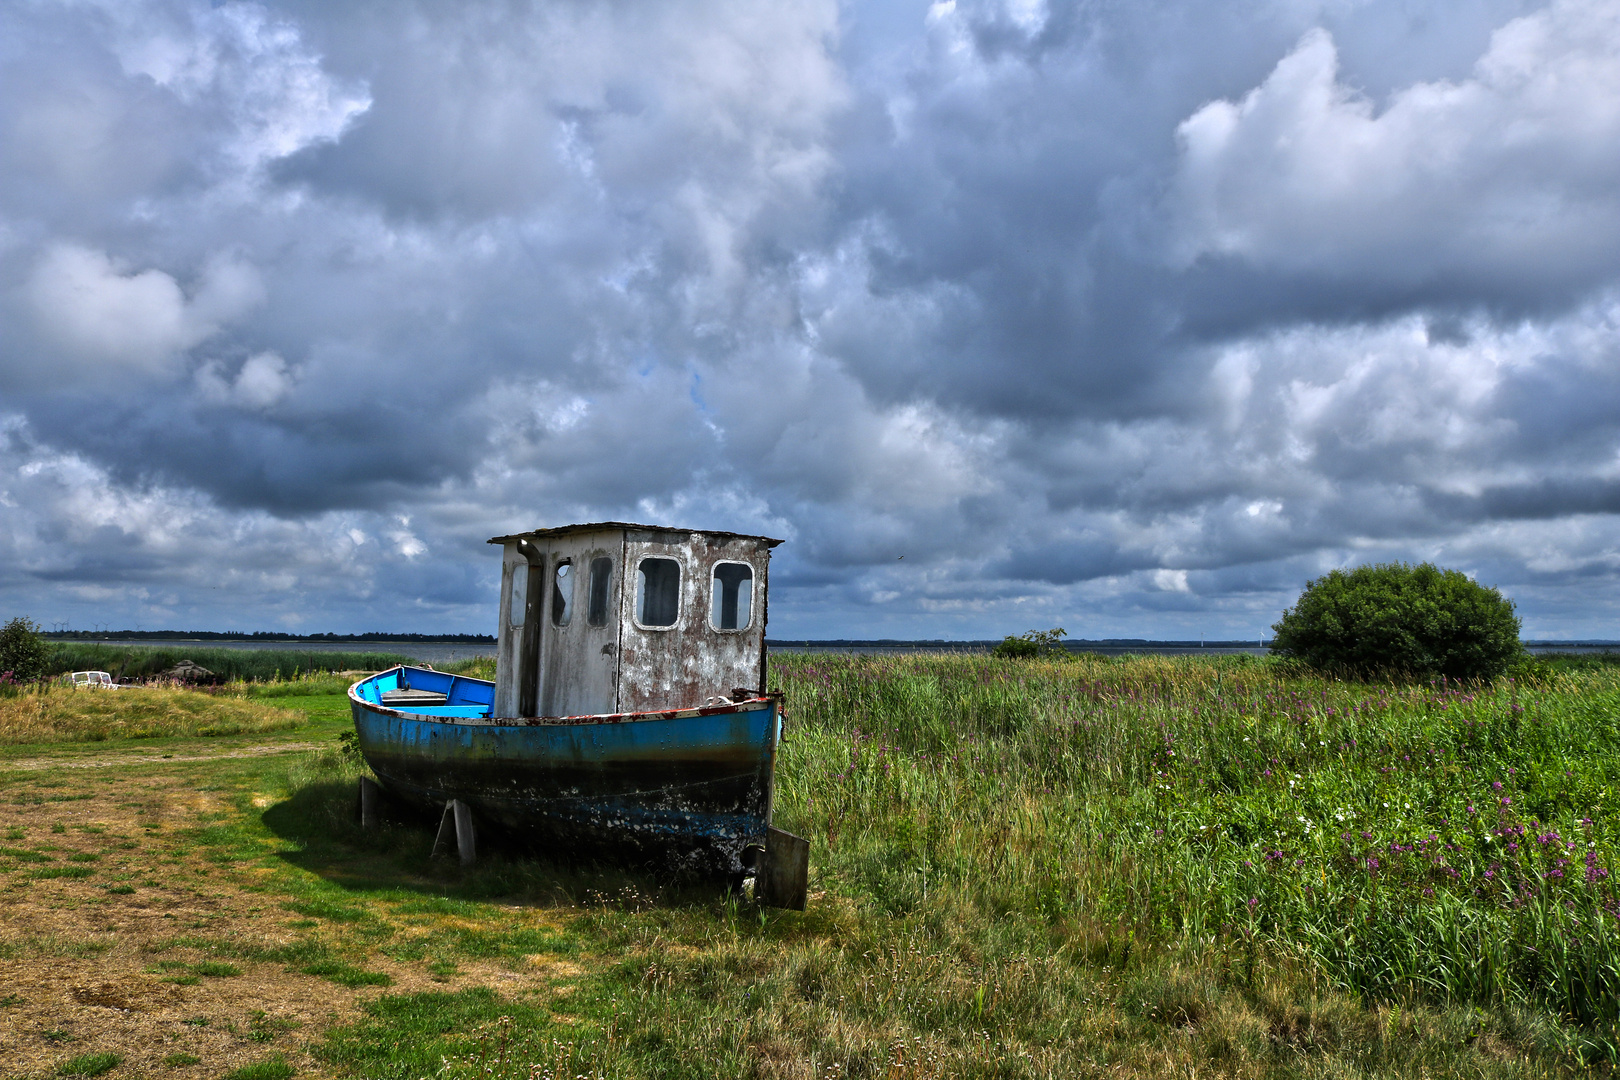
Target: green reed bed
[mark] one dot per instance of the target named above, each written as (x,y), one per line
(136,662)
(1450,843)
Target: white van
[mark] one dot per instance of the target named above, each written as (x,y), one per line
(96,679)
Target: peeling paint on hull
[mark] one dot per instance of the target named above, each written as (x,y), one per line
(689,785)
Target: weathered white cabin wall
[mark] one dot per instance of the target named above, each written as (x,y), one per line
(688,663)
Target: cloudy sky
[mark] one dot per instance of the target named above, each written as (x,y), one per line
(1125,317)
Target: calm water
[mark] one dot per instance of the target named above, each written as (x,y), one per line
(1537,647)
(984,647)
(423,652)
(448,652)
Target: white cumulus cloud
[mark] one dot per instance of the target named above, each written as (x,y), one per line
(1513,170)
(103,317)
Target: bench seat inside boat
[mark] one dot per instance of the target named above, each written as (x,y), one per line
(474,711)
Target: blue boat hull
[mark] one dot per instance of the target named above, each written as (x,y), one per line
(688,785)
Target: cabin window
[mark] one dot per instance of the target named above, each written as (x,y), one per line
(601,582)
(562,594)
(520,593)
(659,592)
(732,600)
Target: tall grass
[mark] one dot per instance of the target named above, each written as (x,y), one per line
(1048,869)
(45,714)
(478,667)
(1434,841)
(304,685)
(125,662)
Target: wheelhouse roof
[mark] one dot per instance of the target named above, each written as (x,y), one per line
(599,526)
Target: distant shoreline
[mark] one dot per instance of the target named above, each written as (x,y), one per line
(1117,646)
(258,636)
(449,647)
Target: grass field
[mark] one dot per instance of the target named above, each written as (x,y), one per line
(1074,867)
(55,714)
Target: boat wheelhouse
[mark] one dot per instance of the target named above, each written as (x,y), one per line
(618,618)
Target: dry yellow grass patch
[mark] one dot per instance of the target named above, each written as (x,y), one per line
(87,969)
(59,715)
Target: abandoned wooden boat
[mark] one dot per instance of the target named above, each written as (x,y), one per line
(627,710)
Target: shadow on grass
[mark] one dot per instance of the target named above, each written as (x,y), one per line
(321,818)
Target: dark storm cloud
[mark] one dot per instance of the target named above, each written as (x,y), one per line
(997,311)
(1080,559)
(1031,211)
(1551,498)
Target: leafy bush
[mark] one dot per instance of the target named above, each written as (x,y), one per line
(1542,671)
(22,650)
(1396,618)
(1032,643)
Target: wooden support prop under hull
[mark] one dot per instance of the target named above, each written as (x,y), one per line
(456,826)
(370,804)
(784,871)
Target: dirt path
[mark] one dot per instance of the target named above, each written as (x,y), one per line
(110,760)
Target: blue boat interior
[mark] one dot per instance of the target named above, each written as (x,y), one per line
(463,697)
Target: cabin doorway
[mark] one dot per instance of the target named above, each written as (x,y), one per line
(527,595)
